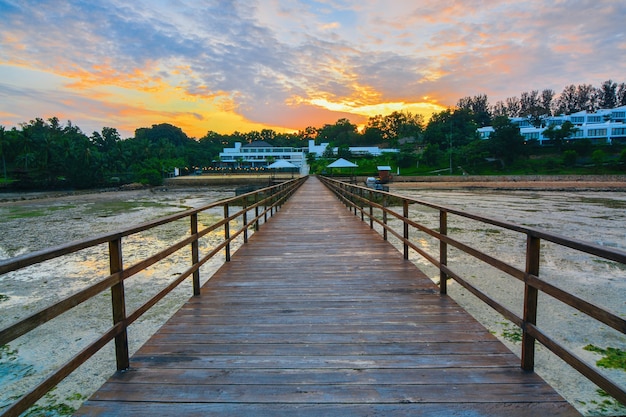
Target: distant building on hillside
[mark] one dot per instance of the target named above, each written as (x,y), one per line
(257,154)
(600,127)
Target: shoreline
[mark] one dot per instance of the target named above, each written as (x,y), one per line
(444,182)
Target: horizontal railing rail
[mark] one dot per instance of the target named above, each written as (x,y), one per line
(376,207)
(254,209)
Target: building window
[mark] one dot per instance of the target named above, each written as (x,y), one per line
(618,131)
(596,132)
(578,120)
(594,119)
(531,135)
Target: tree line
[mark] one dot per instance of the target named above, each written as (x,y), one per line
(47,153)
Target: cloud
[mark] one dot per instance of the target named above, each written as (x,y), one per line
(274,62)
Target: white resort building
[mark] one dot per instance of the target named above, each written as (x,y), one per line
(602,127)
(257,154)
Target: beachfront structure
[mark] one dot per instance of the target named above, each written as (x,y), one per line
(600,127)
(319,150)
(257,154)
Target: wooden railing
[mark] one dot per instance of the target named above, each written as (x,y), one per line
(253,210)
(378,207)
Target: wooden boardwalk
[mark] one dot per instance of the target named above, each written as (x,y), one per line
(319,316)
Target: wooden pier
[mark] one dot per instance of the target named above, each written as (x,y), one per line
(319,316)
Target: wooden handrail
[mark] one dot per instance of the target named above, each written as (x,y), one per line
(262,202)
(355,198)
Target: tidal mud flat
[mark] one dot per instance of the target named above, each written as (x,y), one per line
(593,216)
(33,224)
(41,220)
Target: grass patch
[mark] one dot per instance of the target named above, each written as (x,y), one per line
(489,231)
(611,264)
(3,297)
(511,332)
(112,208)
(8,354)
(22,213)
(54,406)
(604,202)
(608,404)
(613,358)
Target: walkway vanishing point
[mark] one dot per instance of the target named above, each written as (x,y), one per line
(319,316)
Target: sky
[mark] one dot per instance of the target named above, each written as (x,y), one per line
(228,66)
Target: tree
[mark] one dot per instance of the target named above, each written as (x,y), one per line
(607,95)
(108,144)
(391,128)
(342,132)
(163,131)
(621,95)
(478,106)
(529,104)
(586,97)
(598,157)
(569,158)
(505,143)
(499,109)
(513,106)
(547,96)
(450,129)
(310,158)
(567,102)
(343,151)
(558,134)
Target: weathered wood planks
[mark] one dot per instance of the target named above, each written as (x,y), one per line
(319,316)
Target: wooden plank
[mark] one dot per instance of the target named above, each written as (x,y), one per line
(318,315)
(108,408)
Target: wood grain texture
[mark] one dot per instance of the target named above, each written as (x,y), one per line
(317,316)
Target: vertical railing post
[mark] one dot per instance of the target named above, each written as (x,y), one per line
(362,204)
(371,198)
(116,265)
(245,220)
(256,211)
(195,257)
(405,214)
(443,252)
(227,233)
(384,202)
(265,207)
(533,245)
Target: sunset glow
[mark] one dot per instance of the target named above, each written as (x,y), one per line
(285,64)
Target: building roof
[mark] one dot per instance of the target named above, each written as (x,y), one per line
(257,144)
(342,163)
(281,163)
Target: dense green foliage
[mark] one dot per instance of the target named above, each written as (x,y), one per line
(45,153)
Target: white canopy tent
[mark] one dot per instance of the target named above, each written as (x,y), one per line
(281,163)
(342,163)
